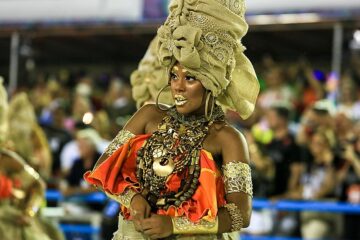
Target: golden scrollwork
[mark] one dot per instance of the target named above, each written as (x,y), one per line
(237,178)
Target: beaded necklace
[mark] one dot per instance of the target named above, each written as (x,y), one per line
(173,148)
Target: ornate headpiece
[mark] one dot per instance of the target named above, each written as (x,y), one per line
(205,37)
(22,120)
(149,78)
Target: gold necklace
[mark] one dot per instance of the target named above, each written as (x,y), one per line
(173,148)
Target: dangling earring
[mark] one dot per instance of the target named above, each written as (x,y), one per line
(207,116)
(157,99)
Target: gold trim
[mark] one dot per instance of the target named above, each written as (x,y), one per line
(122,137)
(237,178)
(124,198)
(236,217)
(182,225)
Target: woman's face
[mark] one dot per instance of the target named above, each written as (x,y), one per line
(188,93)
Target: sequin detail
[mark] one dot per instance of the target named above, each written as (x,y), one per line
(122,137)
(183,225)
(236,217)
(237,178)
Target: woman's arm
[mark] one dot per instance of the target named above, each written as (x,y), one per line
(238,185)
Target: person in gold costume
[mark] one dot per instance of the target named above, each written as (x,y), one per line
(21,188)
(28,138)
(182,172)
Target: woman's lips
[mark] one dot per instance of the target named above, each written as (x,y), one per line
(180,100)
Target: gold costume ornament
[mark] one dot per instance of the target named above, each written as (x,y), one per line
(207,114)
(237,178)
(236,217)
(149,78)
(22,120)
(173,148)
(122,137)
(204,36)
(182,225)
(158,105)
(124,198)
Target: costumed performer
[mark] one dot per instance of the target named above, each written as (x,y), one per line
(180,171)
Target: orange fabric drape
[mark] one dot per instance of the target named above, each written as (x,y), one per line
(118,172)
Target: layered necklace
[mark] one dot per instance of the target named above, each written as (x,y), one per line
(173,149)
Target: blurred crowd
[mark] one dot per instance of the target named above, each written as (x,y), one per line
(304,138)
(304,142)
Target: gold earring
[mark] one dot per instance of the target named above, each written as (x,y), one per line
(207,106)
(157,99)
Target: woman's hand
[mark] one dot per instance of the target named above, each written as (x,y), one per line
(157,226)
(139,209)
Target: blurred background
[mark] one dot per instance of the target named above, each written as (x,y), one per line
(73,59)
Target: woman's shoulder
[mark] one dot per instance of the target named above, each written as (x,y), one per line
(233,144)
(146,117)
(226,131)
(151,109)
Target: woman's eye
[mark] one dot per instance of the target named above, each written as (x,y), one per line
(173,76)
(190,78)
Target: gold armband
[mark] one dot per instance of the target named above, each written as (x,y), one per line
(182,225)
(237,178)
(124,198)
(236,217)
(122,137)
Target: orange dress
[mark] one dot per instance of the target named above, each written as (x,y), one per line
(118,173)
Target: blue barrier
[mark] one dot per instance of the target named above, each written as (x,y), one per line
(283,205)
(318,206)
(96,197)
(78,228)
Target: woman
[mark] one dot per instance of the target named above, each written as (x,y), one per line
(28,138)
(179,172)
(21,190)
(318,183)
(22,200)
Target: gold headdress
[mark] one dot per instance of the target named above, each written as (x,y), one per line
(3,112)
(204,36)
(21,122)
(149,78)
(28,137)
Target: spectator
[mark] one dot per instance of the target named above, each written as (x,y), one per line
(349,105)
(71,151)
(317,183)
(281,162)
(317,116)
(283,152)
(87,140)
(276,89)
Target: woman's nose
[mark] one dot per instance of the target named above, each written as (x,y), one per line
(180,84)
